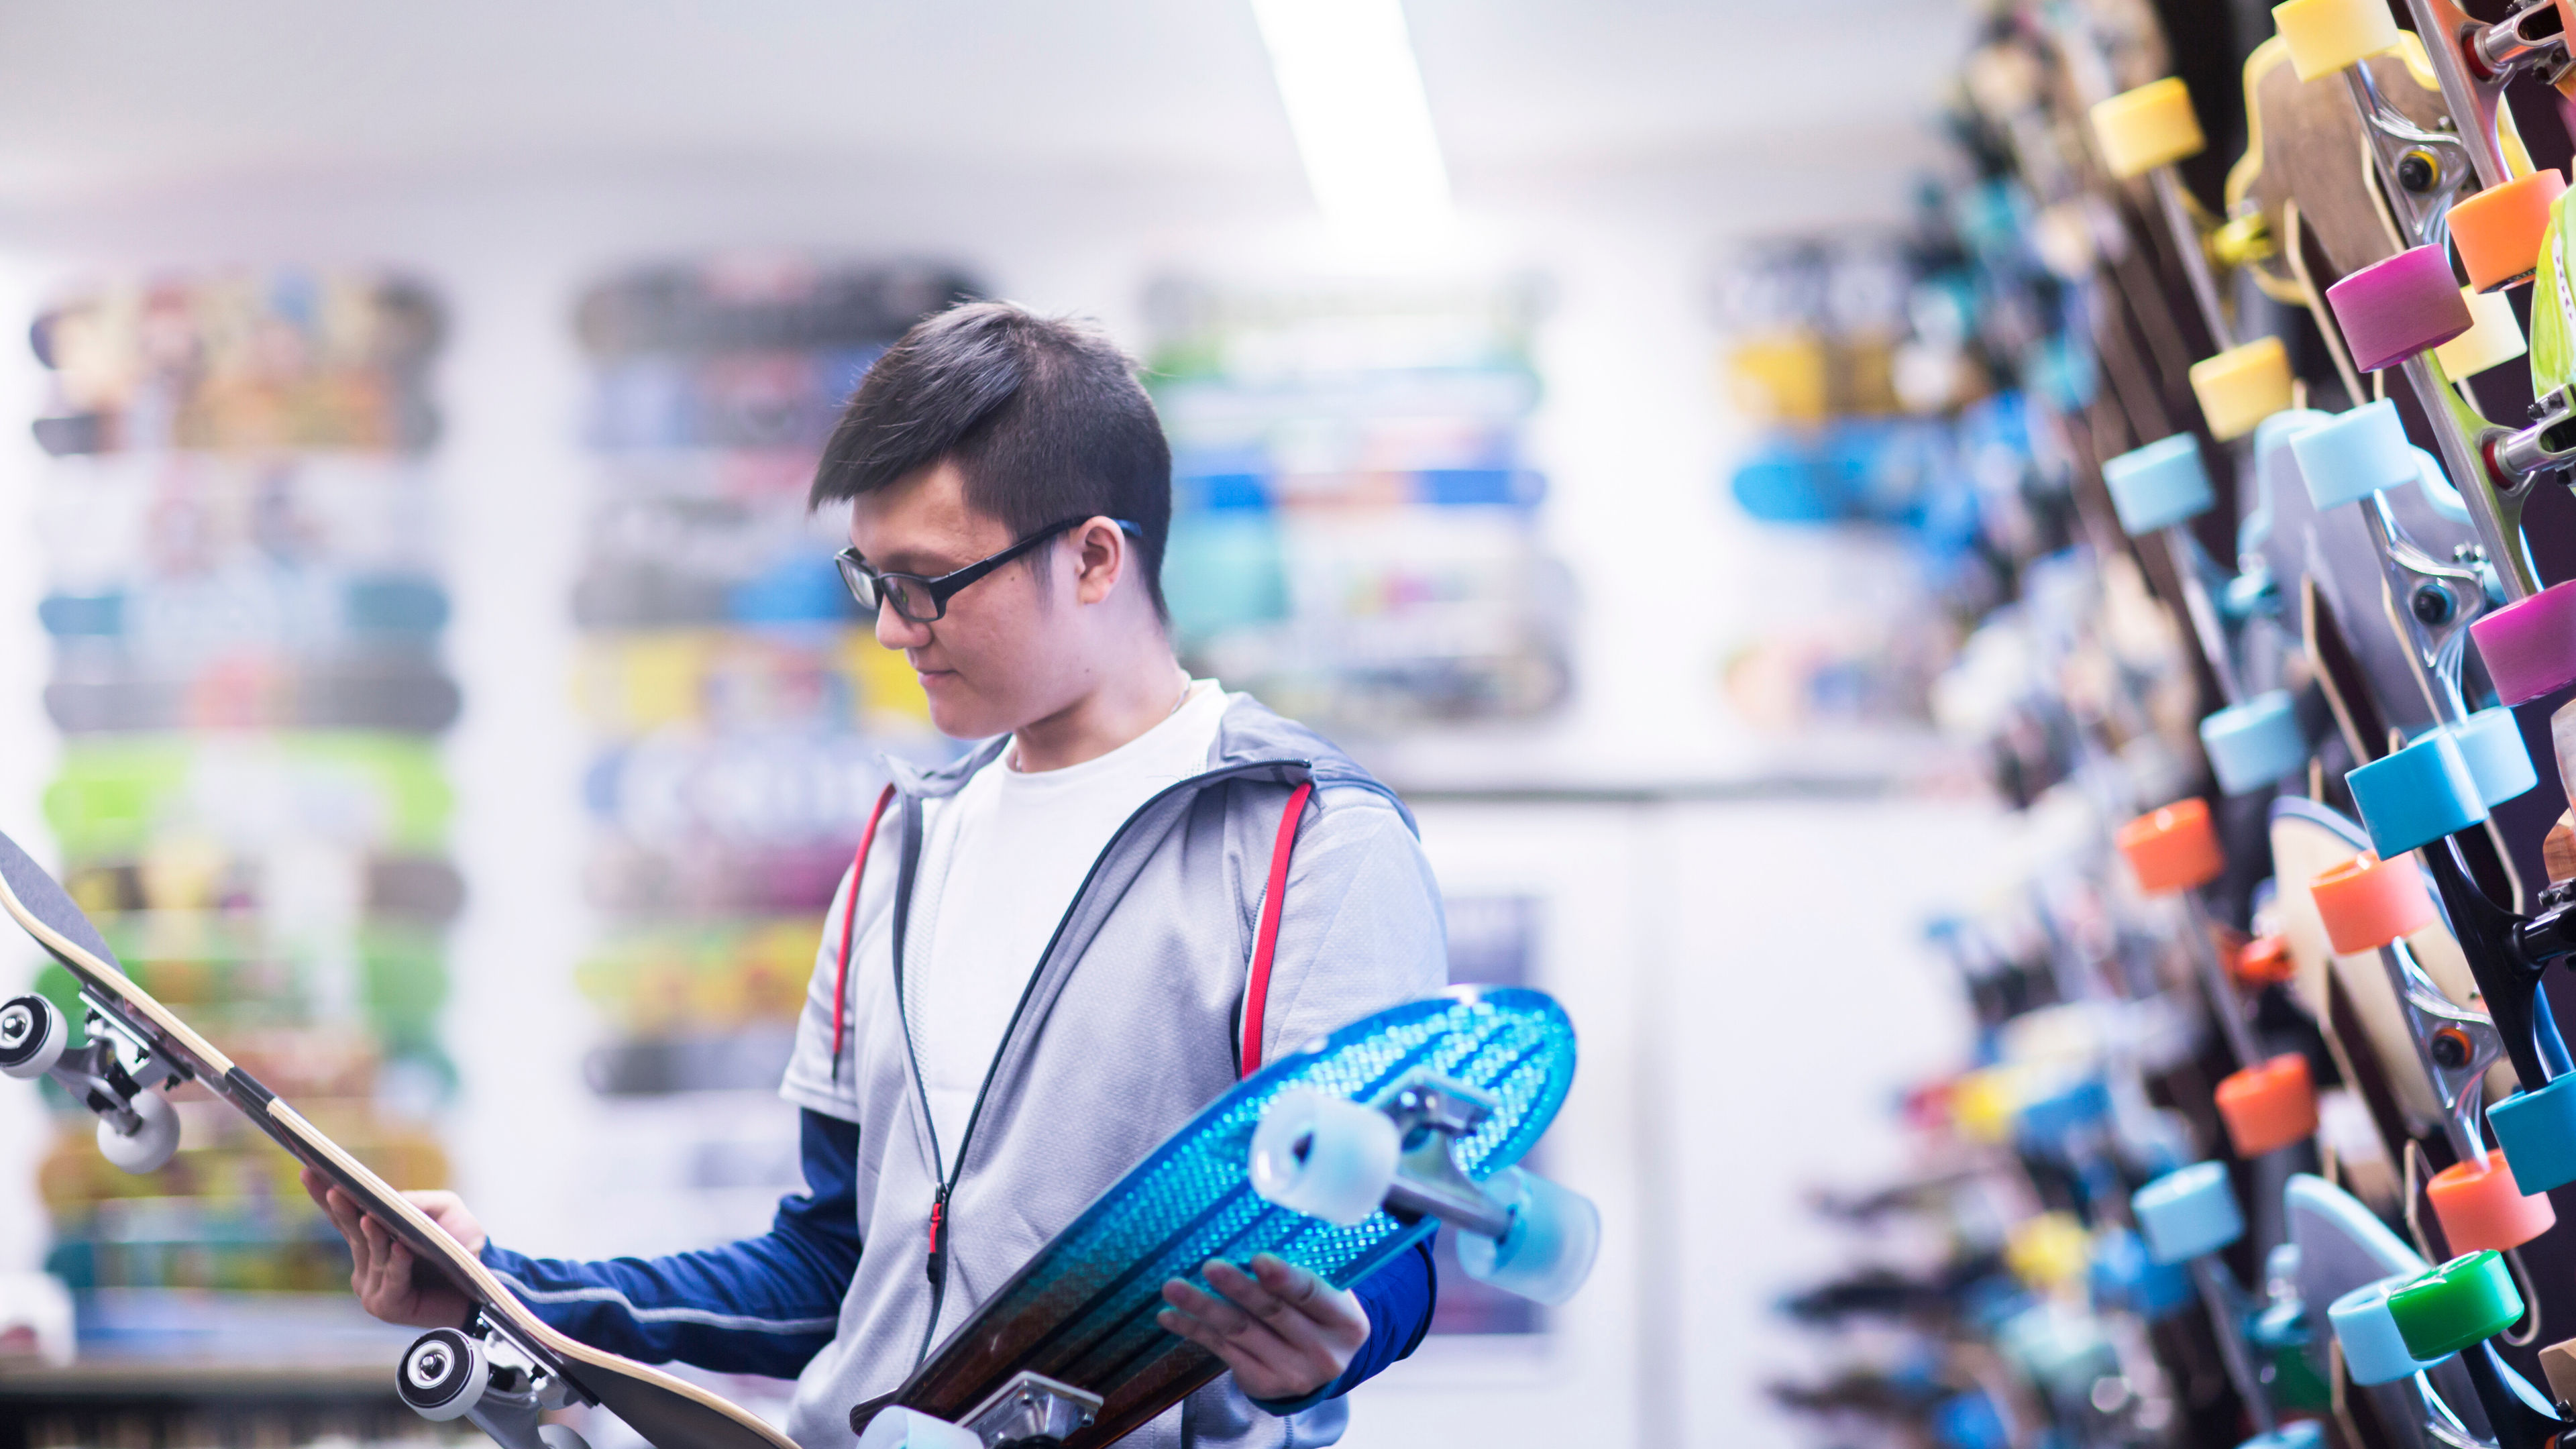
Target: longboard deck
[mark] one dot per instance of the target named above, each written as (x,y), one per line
(668,1412)
(1083,1310)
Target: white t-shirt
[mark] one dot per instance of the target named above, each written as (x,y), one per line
(1000,862)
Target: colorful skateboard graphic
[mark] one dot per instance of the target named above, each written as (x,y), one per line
(503,1374)
(1335,1158)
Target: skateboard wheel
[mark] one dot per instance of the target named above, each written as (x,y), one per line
(2242,386)
(2158,485)
(2049,1251)
(2529,647)
(2324,36)
(2172,849)
(2266,961)
(32,1033)
(2122,1274)
(2481,1206)
(2490,742)
(1548,1252)
(901,1428)
(2494,337)
(2055,1119)
(2537,1130)
(2415,796)
(442,1375)
(2188,1212)
(2367,902)
(2391,310)
(149,1146)
(2250,745)
(2268,1105)
(2374,1352)
(1327,1157)
(2466,1301)
(2149,127)
(2499,230)
(2352,455)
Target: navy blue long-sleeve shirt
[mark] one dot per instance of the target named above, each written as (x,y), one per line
(767,1305)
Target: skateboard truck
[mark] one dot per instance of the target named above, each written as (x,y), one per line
(448,1373)
(1341,1161)
(137,1128)
(1032,1411)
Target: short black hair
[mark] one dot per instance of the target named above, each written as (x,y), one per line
(1043,417)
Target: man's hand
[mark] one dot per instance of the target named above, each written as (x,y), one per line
(389,1282)
(1278,1327)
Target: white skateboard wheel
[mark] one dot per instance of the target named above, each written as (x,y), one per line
(2494,338)
(1548,1253)
(2353,455)
(2159,485)
(1327,1157)
(149,1147)
(32,1034)
(2250,745)
(901,1428)
(442,1375)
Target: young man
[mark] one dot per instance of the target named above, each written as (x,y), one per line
(1039,969)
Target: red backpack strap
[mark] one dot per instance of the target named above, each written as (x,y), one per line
(1265,941)
(849,923)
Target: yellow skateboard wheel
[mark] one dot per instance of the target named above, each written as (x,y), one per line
(2149,127)
(2242,386)
(2499,230)
(2494,337)
(2325,36)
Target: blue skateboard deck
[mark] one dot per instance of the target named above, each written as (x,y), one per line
(1082,1312)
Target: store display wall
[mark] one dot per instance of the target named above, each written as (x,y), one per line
(1627,439)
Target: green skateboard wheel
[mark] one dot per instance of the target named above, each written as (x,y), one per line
(2465,1301)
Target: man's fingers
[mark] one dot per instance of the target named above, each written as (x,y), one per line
(1258,1354)
(1286,1279)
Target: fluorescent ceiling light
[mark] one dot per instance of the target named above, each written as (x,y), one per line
(1354,98)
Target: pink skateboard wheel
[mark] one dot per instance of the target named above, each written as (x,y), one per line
(2394,309)
(2530,647)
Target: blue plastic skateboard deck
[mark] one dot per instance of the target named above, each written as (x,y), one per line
(1082,1312)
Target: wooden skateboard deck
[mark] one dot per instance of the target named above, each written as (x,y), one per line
(1082,1312)
(667,1412)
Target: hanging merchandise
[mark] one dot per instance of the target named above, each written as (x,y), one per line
(1355,513)
(738,705)
(245,599)
(2268,1097)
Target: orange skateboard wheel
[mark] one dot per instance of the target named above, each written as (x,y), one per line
(2498,231)
(2269,1105)
(2367,902)
(2480,1206)
(2172,849)
(2265,961)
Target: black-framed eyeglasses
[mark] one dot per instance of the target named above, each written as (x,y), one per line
(924,600)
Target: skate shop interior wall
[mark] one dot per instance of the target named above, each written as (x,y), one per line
(1671,925)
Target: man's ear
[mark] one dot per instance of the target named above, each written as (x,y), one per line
(1100,560)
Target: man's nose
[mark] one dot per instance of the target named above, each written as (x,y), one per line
(894,631)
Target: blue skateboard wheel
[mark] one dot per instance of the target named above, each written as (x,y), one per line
(2250,745)
(2303,1434)
(2355,455)
(2374,1352)
(1969,1421)
(2051,1120)
(2537,1131)
(2123,1275)
(1548,1252)
(2158,485)
(2491,742)
(2188,1212)
(2416,795)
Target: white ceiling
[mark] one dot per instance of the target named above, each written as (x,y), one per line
(101,98)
